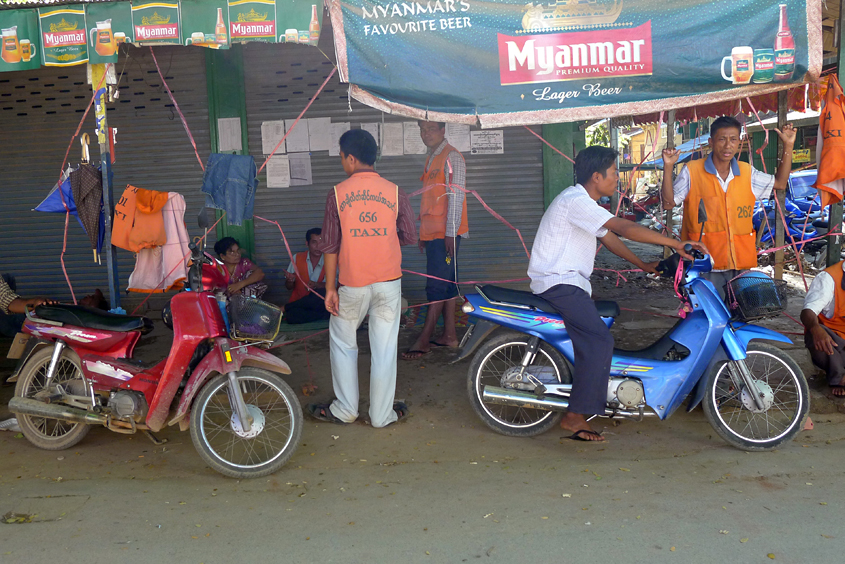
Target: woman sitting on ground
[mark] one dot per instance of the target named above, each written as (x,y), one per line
(244,275)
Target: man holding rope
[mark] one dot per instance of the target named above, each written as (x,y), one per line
(728,189)
(443,223)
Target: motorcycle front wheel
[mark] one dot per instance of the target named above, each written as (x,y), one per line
(731,410)
(274,433)
(493,359)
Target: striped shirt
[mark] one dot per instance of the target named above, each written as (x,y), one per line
(458,168)
(7,296)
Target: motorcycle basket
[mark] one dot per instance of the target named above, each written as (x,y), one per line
(754,295)
(252,319)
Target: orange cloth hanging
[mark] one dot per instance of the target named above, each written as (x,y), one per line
(830,152)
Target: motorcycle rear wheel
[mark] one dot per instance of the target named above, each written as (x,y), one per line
(489,364)
(227,450)
(787,395)
(49,434)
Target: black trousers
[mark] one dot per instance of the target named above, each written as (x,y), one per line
(832,364)
(593,345)
(307,309)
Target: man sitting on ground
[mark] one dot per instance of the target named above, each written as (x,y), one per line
(823,317)
(304,305)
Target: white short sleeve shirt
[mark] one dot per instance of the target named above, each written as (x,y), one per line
(313,272)
(820,297)
(564,250)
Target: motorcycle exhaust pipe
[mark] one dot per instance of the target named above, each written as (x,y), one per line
(35,408)
(515,398)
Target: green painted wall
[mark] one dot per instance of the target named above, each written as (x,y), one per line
(224,71)
(558,172)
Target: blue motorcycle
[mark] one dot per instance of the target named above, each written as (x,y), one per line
(755,396)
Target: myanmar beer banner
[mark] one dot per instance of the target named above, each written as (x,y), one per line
(93,32)
(512,63)
(64,37)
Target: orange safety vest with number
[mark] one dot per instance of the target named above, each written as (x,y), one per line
(837,323)
(368,206)
(434,208)
(728,232)
(300,290)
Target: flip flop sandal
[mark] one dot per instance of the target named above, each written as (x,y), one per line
(322,412)
(401,410)
(577,436)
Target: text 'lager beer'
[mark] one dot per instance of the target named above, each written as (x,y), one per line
(784,50)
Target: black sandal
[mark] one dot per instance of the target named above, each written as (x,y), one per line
(322,412)
(401,410)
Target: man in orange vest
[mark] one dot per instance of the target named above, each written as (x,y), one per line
(728,189)
(367,219)
(443,223)
(823,317)
(304,306)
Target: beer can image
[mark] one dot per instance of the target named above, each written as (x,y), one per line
(304,36)
(764,66)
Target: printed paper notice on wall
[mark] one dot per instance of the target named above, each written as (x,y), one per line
(412,141)
(229,135)
(318,132)
(300,169)
(272,132)
(457,134)
(337,129)
(488,142)
(297,140)
(391,139)
(278,172)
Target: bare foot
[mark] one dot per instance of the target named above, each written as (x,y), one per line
(581,430)
(417,350)
(838,391)
(445,343)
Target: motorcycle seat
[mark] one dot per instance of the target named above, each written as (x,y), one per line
(91,318)
(498,294)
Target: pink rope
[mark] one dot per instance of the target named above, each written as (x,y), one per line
(299,117)
(176,105)
(555,149)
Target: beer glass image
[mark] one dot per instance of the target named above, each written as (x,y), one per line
(764,66)
(102,39)
(27,50)
(119,37)
(291,36)
(742,65)
(11,48)
(196,38)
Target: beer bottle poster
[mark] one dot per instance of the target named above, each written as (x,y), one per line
(514,62)
(303,16)
(63,36)
(21,49)
(205,23)
(253,20)
(156,22)
(109,26)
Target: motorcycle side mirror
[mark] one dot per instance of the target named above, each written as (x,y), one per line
(202,218)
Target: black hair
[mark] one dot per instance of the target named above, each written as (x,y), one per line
(360,144)
(312,231)
(724,122)
(222,246)
(593,159)
(440,124)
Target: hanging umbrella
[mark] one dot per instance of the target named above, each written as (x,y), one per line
(87,187)
(60,195)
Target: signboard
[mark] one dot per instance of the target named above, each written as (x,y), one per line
(94,31)
(801,155)
(156,22)
(511,62)
(64,37)
(21,47)
(109,26)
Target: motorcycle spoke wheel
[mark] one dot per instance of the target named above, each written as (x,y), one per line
(274,434)
(731,411)
(491,362)
(49,434)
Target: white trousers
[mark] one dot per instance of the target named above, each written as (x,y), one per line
(382,301)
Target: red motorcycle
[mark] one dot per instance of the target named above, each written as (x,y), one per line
(77,371)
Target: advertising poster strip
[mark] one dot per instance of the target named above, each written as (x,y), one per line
(64,37)
(156,22)
(109,26)
(205,23)
(21,46)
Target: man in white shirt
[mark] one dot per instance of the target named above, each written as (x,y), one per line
(562,260)
(823,317)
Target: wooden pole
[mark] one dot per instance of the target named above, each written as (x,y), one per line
(780,194)
(834,244)
(670,144)
(614,144)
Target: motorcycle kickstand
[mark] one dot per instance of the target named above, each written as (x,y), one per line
(156,441)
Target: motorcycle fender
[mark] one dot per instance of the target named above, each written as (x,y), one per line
(32,345)
(746,333)
(227,356)
(478,333)
(700,388)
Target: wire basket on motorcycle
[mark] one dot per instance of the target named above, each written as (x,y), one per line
(252,319)
(754,295)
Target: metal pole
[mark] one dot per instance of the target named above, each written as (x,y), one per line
(670,144)
(614,144)
(780,194)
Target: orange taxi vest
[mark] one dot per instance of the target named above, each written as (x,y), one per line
(837,323)
(728,232)
(832,133)
(124,218)
(368,206)
(434,209)
(300,290)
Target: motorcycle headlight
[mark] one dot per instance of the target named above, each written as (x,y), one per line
(467,308)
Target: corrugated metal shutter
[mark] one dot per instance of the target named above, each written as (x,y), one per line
(280,79)
(40,110)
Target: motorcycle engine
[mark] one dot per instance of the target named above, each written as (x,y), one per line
(626,392)
(126,403)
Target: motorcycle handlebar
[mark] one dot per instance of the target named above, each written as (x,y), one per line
(690,250)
